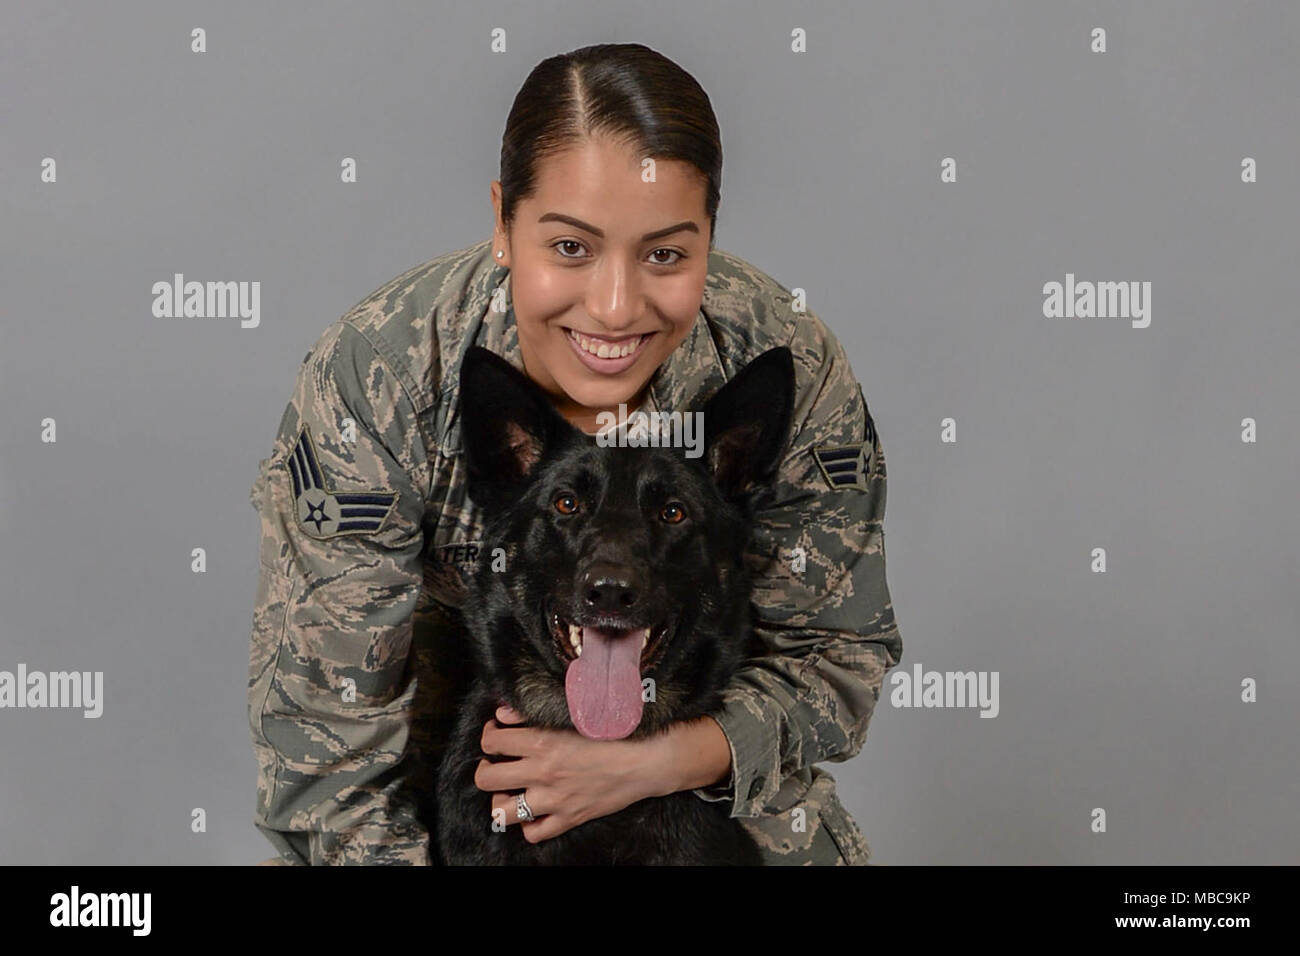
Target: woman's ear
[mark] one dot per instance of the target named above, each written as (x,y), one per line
(747,422)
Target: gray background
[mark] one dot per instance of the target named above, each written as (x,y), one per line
(1118,690)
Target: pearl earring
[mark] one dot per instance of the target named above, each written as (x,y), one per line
(500,253)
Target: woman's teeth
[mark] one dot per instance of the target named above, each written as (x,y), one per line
(602,349)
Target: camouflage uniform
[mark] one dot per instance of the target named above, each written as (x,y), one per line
(364,538)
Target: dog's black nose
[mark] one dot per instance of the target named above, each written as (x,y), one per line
(609,589)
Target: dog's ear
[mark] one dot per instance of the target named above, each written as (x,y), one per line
(507,425)
(747,421)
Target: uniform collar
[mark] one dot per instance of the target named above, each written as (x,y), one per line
(690,374)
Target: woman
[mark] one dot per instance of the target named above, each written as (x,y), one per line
(600,282)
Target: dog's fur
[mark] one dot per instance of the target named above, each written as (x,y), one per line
(590,534)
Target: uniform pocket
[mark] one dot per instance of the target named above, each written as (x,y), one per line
(270,611)
(805,825)
(843,829)
(270,608)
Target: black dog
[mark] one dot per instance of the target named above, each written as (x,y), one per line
(618,605)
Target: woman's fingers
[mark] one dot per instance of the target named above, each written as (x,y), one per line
(501,739)
(508,805)
(551,825)
(508,715)
(544,826)
(508,741)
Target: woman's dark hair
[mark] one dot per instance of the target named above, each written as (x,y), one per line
(627,91)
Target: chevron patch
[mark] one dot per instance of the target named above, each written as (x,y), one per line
(323,512)
(845,466)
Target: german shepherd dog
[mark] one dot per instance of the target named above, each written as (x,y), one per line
(619,603)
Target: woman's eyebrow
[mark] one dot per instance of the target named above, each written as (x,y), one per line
(579,224)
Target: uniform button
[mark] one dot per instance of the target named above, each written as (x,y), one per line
(756,787)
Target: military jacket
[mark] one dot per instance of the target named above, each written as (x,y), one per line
(367,533)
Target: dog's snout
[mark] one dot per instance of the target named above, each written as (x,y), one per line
(608,589)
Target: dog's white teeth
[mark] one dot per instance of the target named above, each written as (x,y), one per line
(575,638)
(645,638)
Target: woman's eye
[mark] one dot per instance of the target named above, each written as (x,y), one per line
(566,504)
(671,251)
(673,513)
(563,248)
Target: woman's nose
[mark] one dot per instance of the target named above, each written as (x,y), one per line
(613,299)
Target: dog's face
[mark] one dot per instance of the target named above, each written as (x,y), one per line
(618,600)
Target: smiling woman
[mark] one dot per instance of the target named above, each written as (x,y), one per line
(601,284)
(605,221)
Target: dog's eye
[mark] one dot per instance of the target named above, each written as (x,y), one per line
(673,512)
(566,504)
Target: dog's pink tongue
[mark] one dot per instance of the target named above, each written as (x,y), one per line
(603,686)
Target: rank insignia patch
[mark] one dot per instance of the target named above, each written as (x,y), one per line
(845,466)
(324,513)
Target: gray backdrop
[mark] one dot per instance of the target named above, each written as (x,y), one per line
(1119,690)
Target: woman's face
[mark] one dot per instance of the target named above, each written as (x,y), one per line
(606,272)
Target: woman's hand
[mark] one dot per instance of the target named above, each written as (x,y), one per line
(569,779)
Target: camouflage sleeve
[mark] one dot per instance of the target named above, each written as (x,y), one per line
(329,693)
(824,618)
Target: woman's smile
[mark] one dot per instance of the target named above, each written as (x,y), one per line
(606,355)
